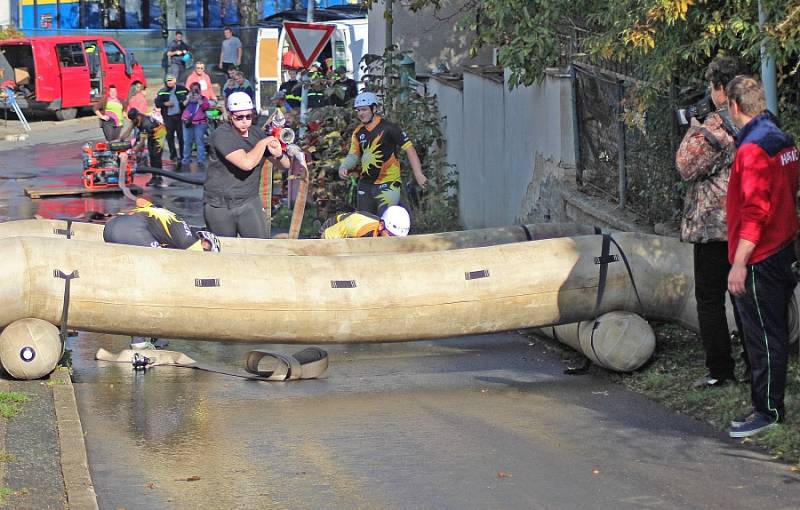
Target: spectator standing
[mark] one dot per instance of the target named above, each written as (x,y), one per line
(170,100)
(239,84)
(316,90)
(374,147)
(110,112)
(703,160)
(230,84)
(200,77)
(244,85)
(279,102)
(195,124)
(344,88)
(178,54)
(762,227)
(292,90)
(231,52)
(137,99)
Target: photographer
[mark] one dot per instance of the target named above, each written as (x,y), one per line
(704,160)
(195,124)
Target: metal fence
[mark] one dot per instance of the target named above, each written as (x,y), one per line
(625,155)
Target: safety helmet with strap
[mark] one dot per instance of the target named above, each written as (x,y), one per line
(213,240)
(238,102)
(365,99)
(396,220)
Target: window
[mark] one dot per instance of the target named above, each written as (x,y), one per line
(113,53)
(71,55)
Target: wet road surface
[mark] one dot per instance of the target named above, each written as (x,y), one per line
(481,422)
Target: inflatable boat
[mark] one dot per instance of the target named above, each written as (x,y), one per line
(374,297)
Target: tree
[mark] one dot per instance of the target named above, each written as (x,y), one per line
(662,42)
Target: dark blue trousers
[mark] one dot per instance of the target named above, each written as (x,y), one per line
(763,310)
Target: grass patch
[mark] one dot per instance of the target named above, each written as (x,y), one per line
(7,457)
(5,492)
(10,403)
(679,360)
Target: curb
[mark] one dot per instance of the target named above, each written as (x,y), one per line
(74,462)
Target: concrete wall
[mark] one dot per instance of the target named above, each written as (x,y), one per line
(431,37)
(513,149)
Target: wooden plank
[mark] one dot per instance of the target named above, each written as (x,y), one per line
(56,191)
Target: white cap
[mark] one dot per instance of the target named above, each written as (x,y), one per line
(396,220)
(238,102)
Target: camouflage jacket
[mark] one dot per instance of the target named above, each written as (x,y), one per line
(704,160)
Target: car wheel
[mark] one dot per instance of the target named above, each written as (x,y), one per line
(66,113)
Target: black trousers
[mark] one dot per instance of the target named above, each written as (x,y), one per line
(129,229)
(763,308)
(711,269)
(376,198)
(244,217)
(174,126)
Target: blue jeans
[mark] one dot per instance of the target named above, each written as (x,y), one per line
(195,134)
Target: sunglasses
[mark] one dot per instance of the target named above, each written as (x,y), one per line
(246,116)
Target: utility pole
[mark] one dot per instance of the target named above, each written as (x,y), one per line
(768,74)
(387,15)
(305,79)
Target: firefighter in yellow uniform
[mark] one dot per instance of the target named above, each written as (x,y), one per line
(394,222)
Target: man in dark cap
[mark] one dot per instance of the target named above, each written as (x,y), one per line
(344,88)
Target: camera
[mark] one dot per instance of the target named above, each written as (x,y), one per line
(698,110)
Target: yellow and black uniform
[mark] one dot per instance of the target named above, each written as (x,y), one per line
(355,224)
(377,145)
(151,226)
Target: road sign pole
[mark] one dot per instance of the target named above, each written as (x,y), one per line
(303,105)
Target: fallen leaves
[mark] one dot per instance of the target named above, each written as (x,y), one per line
(190,479)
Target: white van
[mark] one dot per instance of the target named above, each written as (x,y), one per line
(347,45)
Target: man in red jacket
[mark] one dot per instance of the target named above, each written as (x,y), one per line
(762,226)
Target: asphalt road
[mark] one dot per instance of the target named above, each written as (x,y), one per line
(481,422)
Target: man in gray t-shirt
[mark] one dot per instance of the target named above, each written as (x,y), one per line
(231,53)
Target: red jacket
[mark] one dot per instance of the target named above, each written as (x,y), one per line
(762,188)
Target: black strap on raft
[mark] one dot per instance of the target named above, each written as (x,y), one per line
(528,235)
(603,261)
(64,232)
(65,308)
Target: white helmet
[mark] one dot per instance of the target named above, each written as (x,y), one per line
(238,102)
(365,99)
(213,240)
(396,220)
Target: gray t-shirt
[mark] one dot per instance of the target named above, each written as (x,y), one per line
(226,181)
(230,49)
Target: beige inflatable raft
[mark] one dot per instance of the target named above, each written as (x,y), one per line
(62,229)
(384,297)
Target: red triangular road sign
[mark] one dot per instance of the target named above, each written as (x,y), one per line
(308,39)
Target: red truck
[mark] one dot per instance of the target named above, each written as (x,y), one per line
(64,73)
